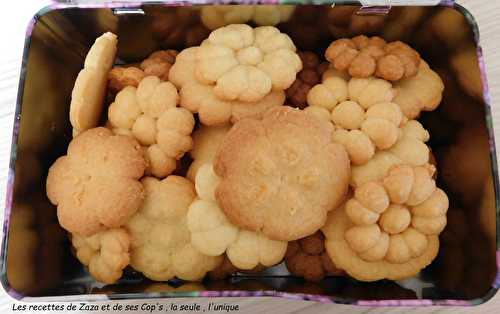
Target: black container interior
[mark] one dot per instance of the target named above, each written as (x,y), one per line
(38,257)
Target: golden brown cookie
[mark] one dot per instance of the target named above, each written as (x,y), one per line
(97,164)
(364,56)
(389,228)
(282,174)
(120,77)
(159,63)
(307,258)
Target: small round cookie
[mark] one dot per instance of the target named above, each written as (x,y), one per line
(389,229)
(206,142)
(106,253)
(307,258)
(364,56)
(97,164)
(282,174)
(88,93)
(150,114)
(160,240)
(213,234)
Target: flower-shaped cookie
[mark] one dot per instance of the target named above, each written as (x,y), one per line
(201,99)
(159,63)
(362,111)
(389,228)
(307,258)
(97,164)
(423,92)
(106,253)
(150,115)
(309,76)
(160,240)
(213,234)
(363,57)
(206,141)
(88,93)
(245,63)
(282,174)
(410,149)
(120,77)
(216,16)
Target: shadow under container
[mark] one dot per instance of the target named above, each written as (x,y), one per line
(36,259)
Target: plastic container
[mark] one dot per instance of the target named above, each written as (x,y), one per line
(36,260)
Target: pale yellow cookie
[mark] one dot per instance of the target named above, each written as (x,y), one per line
(95,186)
(389,229)
(361,109)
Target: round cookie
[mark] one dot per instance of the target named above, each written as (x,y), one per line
(97,164)
(389,229)
(282,174)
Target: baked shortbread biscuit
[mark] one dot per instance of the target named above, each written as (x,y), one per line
(410,149)
(206,141)
(96,185)
(389,229)
(160,240)
(90,86)
(361,109)
(150,114)
(282,174)
(200,98)
(213,234)
(106,253)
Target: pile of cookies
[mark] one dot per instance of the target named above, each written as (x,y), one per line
(320,163)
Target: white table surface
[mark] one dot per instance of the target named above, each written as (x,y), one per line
(12,28)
